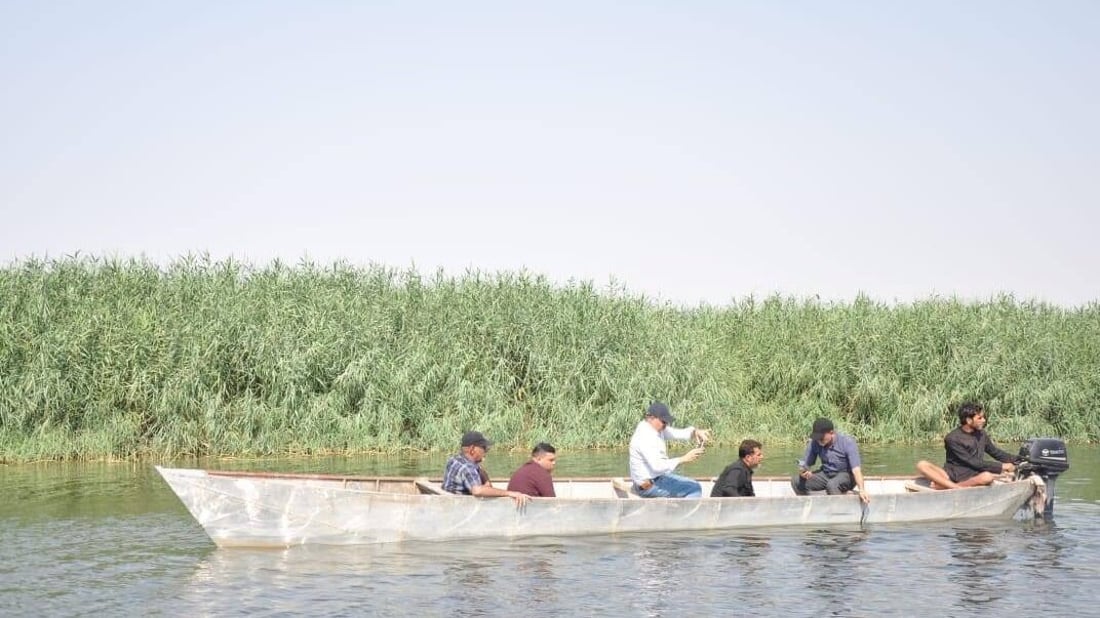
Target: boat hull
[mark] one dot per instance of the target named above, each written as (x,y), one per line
(266,510)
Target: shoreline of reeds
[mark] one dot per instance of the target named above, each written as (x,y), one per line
(107,358)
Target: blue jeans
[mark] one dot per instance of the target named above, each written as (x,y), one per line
(672,486)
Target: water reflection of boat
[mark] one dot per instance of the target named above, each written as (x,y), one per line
(272,509)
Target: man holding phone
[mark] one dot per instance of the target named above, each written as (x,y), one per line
(650,466)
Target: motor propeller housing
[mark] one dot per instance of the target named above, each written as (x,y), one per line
(1046,457)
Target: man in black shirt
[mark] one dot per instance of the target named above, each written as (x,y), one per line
(736,479)
(966,447)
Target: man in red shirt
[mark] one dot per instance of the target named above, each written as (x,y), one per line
(533,477)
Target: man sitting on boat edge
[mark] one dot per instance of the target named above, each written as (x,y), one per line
(841,468)
(533,478)
(464,474)
(965,446)
(650,466)
(735,481)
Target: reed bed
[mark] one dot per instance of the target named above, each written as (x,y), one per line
(124,358)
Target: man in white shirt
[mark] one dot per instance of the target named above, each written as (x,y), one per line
(650,466)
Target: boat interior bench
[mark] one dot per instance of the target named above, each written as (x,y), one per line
(624,489)
(918,484)
(429,488)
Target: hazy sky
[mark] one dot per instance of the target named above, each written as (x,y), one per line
(691,151)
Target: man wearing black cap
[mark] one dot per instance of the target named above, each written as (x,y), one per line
(840,469)
(464,474)
(650,466)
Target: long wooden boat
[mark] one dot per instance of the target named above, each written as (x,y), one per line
(277,510)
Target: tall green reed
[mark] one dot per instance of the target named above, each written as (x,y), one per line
(123,358)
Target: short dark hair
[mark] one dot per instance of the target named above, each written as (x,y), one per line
(542,448)
(747,447)
(969,410)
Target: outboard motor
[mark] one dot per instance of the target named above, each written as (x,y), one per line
(1048,458)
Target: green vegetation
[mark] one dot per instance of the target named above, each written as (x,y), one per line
(102,358)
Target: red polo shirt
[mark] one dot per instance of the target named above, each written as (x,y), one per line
(533,480)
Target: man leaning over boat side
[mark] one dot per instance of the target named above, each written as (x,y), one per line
(736,480)
(650,466)
(464,474)
(965,447)
(841,468)
(533,478)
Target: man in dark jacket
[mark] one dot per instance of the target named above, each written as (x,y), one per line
(736,479)
(966,447)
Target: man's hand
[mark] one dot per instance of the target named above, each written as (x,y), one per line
(486,491)
(857,474)
(702,436)
(1008,467)
(692,455)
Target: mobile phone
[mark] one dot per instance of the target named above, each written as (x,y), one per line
(801,465)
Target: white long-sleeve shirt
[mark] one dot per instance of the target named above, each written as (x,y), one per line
(648,455)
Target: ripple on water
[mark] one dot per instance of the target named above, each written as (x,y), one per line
(121,544)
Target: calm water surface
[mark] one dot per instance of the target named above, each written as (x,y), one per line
(111,539)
